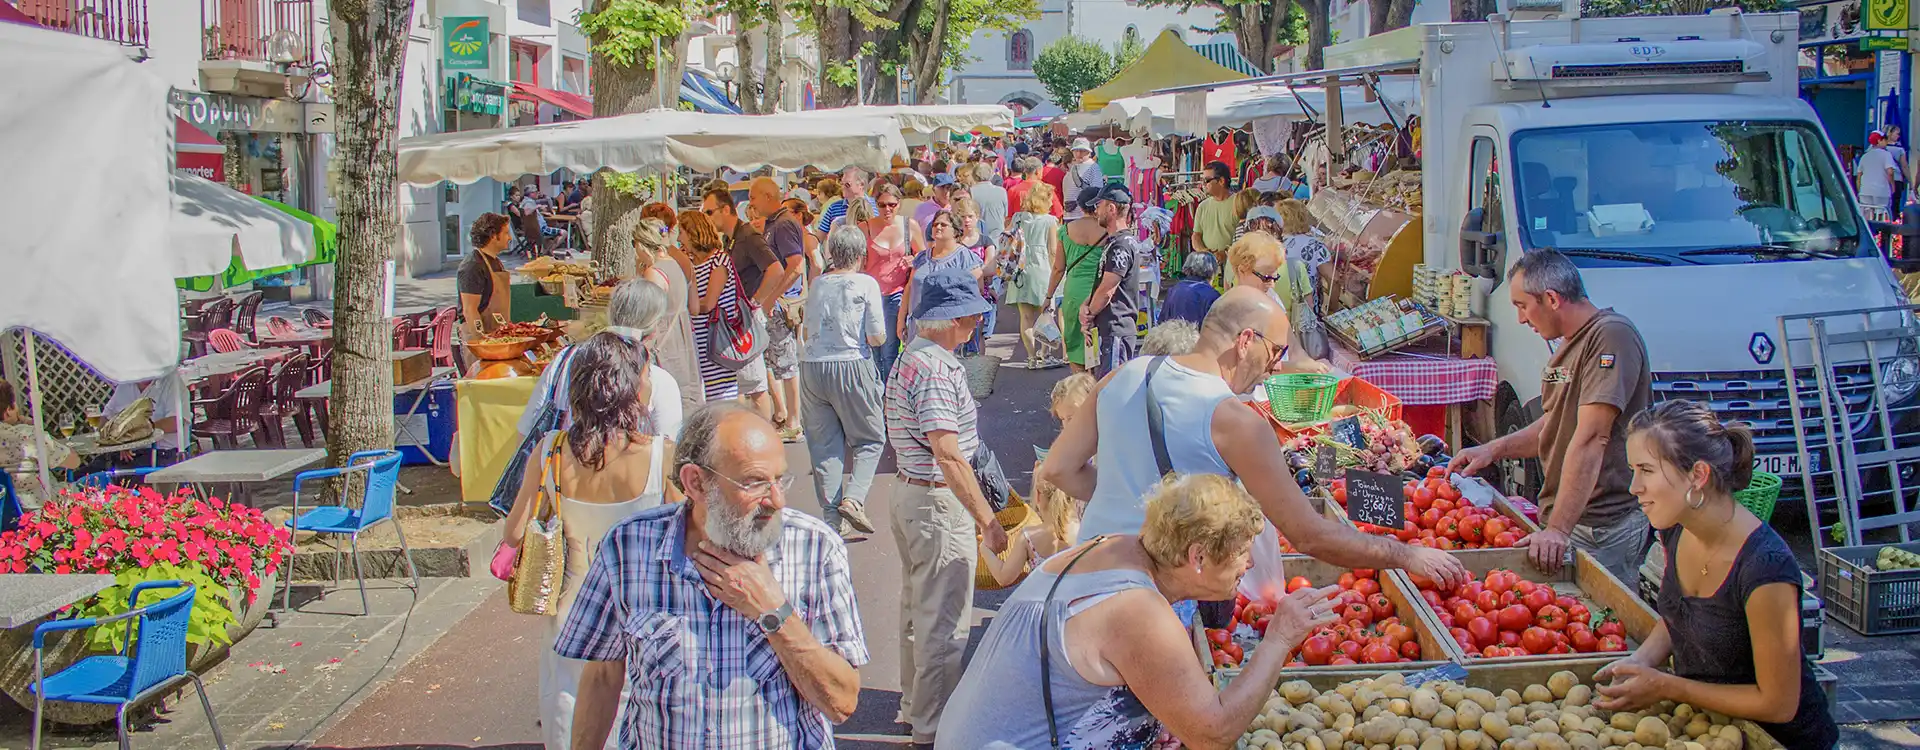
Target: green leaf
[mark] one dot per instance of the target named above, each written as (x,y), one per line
(1071,65)
(625,31)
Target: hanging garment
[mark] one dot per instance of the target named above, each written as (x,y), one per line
(1212,151)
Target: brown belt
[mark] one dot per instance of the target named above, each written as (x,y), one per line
(936,484)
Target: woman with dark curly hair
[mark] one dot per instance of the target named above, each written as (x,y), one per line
(604,467)
(482,280)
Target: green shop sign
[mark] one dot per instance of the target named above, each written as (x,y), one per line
(476,95)
(465,43)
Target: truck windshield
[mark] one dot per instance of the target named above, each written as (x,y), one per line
(1685,192)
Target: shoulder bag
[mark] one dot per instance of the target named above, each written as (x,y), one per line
(551,414)
(540,567)
(1213,614)
(733,341)
(1046,665)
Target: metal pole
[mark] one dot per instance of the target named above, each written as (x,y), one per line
(39,422)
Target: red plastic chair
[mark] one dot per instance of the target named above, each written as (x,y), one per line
(441,337)
(209,315)
(279,327)
(235,412)
(246,312)
(287,379)
(403,331)
(223,340)
(316,318)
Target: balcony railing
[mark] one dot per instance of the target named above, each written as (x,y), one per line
(259,30)
(119,21)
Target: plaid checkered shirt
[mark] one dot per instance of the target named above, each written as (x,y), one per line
(700,675)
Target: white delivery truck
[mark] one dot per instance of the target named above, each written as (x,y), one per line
(1672,160)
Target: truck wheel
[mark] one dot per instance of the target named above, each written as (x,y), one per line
(1518,476)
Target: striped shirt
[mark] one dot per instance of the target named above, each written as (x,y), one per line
(720,383)
(836,211)
(928,391)
(699,674)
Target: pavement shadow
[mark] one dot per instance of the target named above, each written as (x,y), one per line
(508,746)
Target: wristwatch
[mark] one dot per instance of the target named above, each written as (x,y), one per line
(772,621)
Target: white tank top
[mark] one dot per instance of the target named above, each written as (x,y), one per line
(1125,466)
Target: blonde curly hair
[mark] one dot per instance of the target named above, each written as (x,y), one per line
(1209,511)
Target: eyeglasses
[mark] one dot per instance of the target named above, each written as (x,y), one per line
(1279,355)
(941,225)
(1270,279)
(757,490)
(895,204)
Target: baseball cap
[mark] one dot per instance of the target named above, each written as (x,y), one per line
(942,180)
(1876,138)
(1080,144)
(1094,195)
(1265,212)
(990,155)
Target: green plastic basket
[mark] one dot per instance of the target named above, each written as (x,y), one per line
(1760,494)
(1301,397)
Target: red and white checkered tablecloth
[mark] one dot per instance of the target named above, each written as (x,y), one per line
(1419,381)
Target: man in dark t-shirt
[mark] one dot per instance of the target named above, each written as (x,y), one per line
(1111,309)
(1591,389)
(482,291)
(745,245)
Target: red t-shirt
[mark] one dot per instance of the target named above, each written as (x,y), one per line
(1017,198)
(1055,176)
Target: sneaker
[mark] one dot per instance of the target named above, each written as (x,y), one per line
(852,513)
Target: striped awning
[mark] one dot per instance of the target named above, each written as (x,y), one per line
(1227,54)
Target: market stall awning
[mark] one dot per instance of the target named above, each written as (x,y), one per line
(921,124)
(574,103)
(705,95)
(1238,106)
(1228,55)
(325,250)
(89,263)
(1167,62)
(653,142)
(211,214)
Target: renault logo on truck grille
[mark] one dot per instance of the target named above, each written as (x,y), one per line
(1761,347)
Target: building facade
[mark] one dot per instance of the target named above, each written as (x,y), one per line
(1001,71)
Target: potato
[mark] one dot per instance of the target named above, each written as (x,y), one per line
(1297,691)
(1407,737)
(1451,694)
(1396,690)
(1633,746)
(1718,718)
(1578,695)
(1699,726)
(1433,741)
(1481,696)
(1343,723)
(1582,741)
(1569,723)
(1371,711)
(1732,734)
(1301,720)
(1721,743)
(1445,718)
(1622,738)
(1544,725)
(1338,704)
(1400,707)
(1468,715)
(1625,720)
(1380,729)
(1516,716)
(1332,740)
(1540,692)
(1426,703)
(1512,696)
(1501,704)
(1495,726)
(1391,678)
(1683,711)
(1549,741)
(1652,732)
(1521,743)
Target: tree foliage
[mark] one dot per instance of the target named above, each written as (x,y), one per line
(1615,8)
(624,32)
(1262,29)
(1071,65)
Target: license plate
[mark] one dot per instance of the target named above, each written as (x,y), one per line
(1782,464)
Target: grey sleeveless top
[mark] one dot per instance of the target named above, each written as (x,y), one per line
(998,704)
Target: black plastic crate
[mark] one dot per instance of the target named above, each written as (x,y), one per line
(1870,601)
(1813,620)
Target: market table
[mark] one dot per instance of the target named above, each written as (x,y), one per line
(237,467)
(223,364)
(27,597)
(1427,380)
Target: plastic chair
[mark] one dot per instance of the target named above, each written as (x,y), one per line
(382,469)
(210,315)
(402,334)
(10,510)
(225,340)
(154,663)
(316,318)
(99,480)
(246,314)
(287,379)
(235,412)
(441,337)
(279,327)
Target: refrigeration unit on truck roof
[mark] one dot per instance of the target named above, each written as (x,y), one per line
(1634,59)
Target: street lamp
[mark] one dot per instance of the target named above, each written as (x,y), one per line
(728,72)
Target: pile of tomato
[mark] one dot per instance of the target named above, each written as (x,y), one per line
(1506,615)
(1437,517)
(1369,630)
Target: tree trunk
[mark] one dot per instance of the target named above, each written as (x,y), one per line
(1470,10)
(746,87)
(1319,32)
(370,42)
(840,39)
(1257,28)
(618,90)
(930,54)
(1386,15)
(772,79)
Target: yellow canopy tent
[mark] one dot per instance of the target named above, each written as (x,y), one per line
(1167,63)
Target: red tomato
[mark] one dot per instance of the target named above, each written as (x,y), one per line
(1465,611)
(1583,641)
(1611,627)
(1448,492)
(1367,586)
(1472,588)
(1484,631)
(1260,625)
(1540,596)
(1317,650)
(1523,586)
(1612,643)
(1509,599)
(1470,530)
(1297,583)
(1340,496)
(1341,661)
(1357,612)
(1218,637)
(1502,539)
(1233,652)
(1429,518)
(1422,499)
(1501,581)
(1560,648)
(1410,650)
(1537,640)
(1368,573)
(1443,505)
(1515,618)
(1240,600)
(1446,619)
(1423,583)
(1432,597)
(1220,659)
(1347,648)
(1437,472)
(1578,613)
(1378,653)
(1442,542)
(1551,617)
(1487,601)
(1382,606)
(1566,602)
(1346,580)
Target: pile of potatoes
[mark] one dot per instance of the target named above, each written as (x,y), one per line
(1383,713)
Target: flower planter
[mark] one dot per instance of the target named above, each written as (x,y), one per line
(64,649)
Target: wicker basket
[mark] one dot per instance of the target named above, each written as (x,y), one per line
(1012,519)
(1760,494)
(1298,397)
(982,370)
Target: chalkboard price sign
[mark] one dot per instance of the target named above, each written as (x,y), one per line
(1378,499)
(1348,431)
(1325,462)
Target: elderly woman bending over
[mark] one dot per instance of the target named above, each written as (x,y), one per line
(1120,668)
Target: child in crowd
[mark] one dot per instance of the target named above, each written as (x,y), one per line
(1059,514)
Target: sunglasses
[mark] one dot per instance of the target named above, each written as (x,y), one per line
(895,204)
(1274,278)
(1278,356)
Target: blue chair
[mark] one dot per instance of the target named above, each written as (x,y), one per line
(10,510)
(154,663)
(100,479)
(382,470)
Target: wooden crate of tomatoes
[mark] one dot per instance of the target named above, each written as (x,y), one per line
(1514,612)
(1383,626)
(1437,516)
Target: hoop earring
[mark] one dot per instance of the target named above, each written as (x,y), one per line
(1691,503)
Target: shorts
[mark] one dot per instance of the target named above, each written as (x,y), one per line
(753,377)
(783,345)
(1118,344)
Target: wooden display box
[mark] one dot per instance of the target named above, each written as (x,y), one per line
(411,366)
(1585,579)
(1406,604)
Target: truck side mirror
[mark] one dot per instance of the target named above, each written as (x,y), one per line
(1479,249)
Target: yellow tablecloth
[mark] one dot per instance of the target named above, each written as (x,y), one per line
(489,412)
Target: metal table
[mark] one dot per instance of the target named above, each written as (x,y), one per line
(27,597)
(89,444)
(238,467)
(228,363)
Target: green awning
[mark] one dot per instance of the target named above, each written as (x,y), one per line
(326,247)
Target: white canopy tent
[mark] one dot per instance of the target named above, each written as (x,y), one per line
(208,215)
(1237,106)
(653,142)
(922,124)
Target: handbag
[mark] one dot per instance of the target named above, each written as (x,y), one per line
(548,420)
(735,341)
(991,478)
(541,564)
